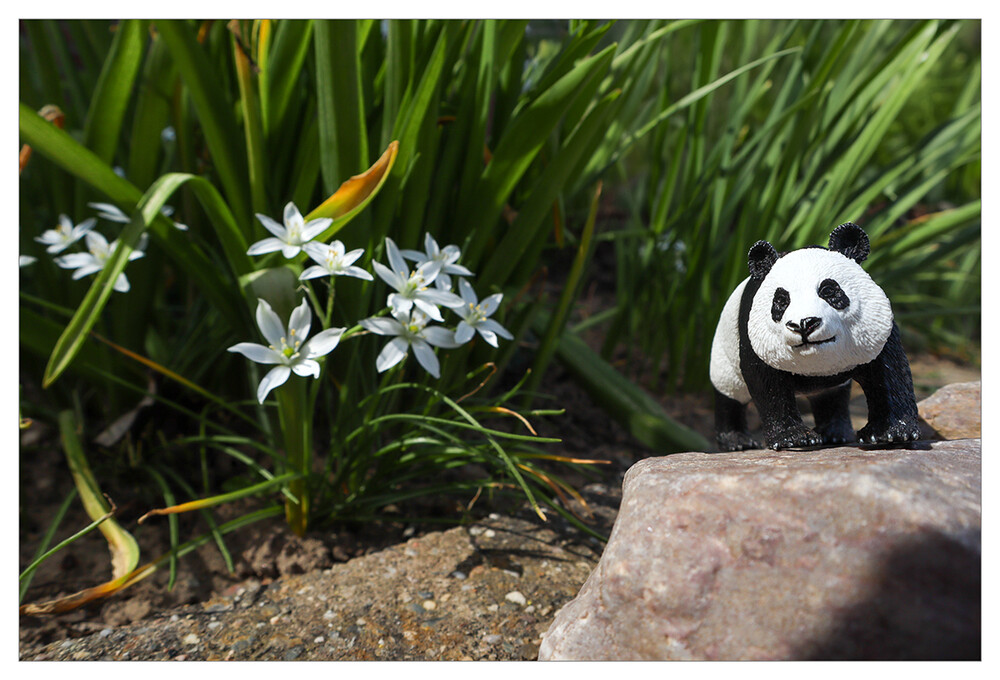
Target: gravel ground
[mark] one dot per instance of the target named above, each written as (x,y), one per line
(485,591)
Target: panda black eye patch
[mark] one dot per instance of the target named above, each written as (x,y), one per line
(834,295)
(779,304)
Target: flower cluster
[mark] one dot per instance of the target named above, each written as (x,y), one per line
(98,250)
(417,295)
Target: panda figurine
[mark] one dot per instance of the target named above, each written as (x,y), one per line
(809,322)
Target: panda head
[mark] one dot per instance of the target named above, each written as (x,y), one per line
(817,312)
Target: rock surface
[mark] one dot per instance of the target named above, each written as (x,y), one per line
(839,553)
(954,411)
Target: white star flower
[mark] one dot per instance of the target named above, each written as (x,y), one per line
(290,238)
(113,213)
(94,260)
(447,256)
(475,317)
(333,261)
(25,260)
(65,235)
(412,286)
(287,347)
(410,330)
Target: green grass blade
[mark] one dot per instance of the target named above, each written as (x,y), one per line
(43,553)
(106,114)
(284,63)
(214,113)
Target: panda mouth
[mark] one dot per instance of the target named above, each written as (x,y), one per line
(806,343)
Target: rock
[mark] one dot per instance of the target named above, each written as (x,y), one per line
(840,553)
(954,411)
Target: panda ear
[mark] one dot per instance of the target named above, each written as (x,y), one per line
(761,257)
(851,241)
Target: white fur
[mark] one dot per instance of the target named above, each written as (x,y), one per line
(724,369)
(860,331)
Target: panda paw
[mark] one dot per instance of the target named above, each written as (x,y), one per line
(736,441)
(837,434)
(795,437)
(898,432)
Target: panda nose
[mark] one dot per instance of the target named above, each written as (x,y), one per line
(805,326)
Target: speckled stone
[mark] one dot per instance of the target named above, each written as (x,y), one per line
(954,411)
(839,553)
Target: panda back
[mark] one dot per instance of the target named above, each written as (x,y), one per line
(724,368)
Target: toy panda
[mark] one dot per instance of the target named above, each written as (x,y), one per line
(809,322)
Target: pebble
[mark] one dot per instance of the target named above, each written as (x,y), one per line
(175,618)
(191,639)
(105,633)
(458,575)
(515,597)
(492,639)
(489,533)
(429,605)
(328,614)
(319,639)
(214,624)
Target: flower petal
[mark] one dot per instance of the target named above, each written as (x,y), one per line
(322,343)
(490,304)
(425,357)
(268,245)
(467,292)
(381,326)
(276,377)
(441,297)
(494,327)
(464,333)
(299,322)
(314,228)
(256,353)
(86,270)
(440,337)
(398,303)
(314,272)
(458,270)
(121,283)
(395,259)
(290,251)
(391,354)
(414,255)
(96,242)
(347,258)
(269,324)
(429,309)
(392,278)
(431,246)
(488,336)
(292,216)
(77,260)
(273,227)
(356,272)
(85,226)
(307,368)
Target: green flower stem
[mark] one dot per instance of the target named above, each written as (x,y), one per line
(296,428)
(330,295)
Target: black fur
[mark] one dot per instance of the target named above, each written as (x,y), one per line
(886,381)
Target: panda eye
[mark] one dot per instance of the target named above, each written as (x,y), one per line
(834,295)
(779,304)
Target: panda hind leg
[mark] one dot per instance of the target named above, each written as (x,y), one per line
(831,410)
(731,431)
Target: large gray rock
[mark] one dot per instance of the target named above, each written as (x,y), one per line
(954,411)
(839,553)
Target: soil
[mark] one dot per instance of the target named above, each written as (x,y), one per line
(265,555)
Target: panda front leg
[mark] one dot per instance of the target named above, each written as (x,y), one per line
(831,409)
(774,397)
(731,431)
(888,388)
